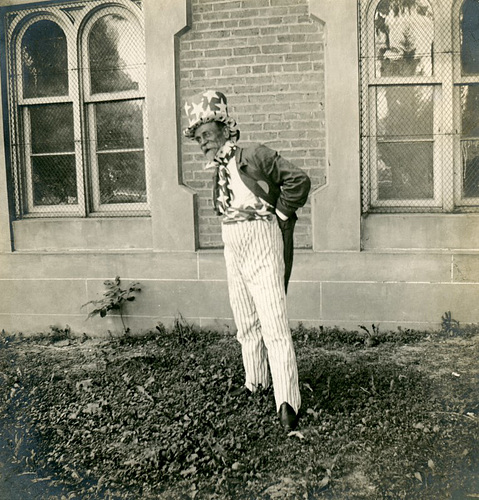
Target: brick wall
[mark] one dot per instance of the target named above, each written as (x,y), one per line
(266,56)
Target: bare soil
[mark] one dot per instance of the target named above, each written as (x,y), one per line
(384,415)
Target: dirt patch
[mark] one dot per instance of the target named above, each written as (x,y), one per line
(394,416)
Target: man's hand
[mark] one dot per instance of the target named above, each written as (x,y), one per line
(281,215)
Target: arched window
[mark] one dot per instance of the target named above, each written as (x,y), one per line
(403,38)
(42,74)
(49,169)
(399,84)
(114,83)
(114,53)
(77,101)
(420,99)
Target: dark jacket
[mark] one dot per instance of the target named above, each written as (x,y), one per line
(272,178)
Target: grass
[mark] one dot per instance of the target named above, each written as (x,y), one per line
(384,415)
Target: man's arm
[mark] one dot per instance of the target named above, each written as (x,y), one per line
(294,182)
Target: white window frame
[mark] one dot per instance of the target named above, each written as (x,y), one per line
(89,102)
(458,81)
(75,19)
(446,80)
(25,103)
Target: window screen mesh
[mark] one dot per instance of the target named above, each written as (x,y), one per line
(419,105)
(78,118)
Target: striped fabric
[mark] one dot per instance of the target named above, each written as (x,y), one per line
(254,261)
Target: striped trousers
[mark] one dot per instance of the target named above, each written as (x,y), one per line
(255,267)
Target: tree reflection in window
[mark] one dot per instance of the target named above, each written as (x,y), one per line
(44,75)
(470,37)
(405,142)
(53,155)
(120,151)
(115,55)
(470,140)
(403,44)
(404,32)
(469,99)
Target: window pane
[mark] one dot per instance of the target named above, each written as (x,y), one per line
(122,177)
(116,55)
(44,60)
(469,110)
(404,33)
(405,111)
(54,180)
(52,128)
(119,125)
(470,37)
(470,148)
(405,171)
(470,168)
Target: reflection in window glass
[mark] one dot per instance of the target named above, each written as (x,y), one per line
(404,117)
(470,110)
(44,60)
(470,140)
(470,168)
(115,54)
(53,171)
(52,128)
(470,37)
(54,180)
(405,111)
(405,171)
(122,177)
(119,125)
(404,32)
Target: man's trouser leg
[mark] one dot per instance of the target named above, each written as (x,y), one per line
(287,230)
(255,357)
(254,261)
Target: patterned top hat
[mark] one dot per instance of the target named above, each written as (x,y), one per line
(207,107)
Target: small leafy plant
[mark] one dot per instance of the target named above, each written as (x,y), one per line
(57,334)
(372,337)
(449,325)
(114,299)
(186,332)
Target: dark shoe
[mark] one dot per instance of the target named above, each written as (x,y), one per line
(240,391)
(287,417)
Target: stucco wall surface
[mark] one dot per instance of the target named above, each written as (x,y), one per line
(331,289)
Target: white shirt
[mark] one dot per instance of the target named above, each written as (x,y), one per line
(242,196)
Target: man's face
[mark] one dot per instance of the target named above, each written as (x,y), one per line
(210,137)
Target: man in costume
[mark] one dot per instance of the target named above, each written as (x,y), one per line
(257,193)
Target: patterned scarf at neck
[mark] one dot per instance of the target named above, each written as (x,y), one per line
(222,194)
